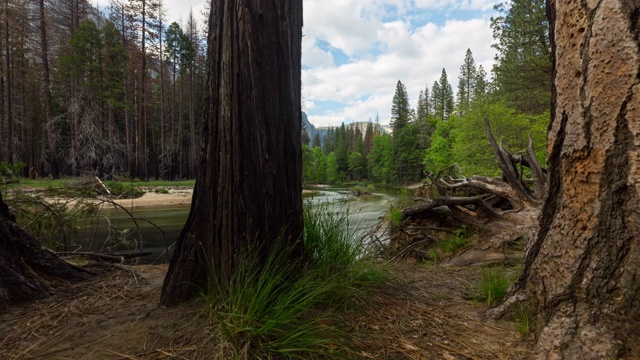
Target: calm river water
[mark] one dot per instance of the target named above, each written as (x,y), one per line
(364,212)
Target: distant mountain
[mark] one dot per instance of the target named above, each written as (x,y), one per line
(322,131)
(311,130)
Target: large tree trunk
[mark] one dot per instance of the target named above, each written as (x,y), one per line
(581,279)
(249,187)
(26,269)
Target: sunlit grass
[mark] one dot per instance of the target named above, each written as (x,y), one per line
(289,309)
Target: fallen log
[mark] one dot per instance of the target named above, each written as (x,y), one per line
(428,204)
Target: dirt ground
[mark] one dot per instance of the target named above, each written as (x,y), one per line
(421,313)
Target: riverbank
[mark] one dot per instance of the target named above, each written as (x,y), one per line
(159,196)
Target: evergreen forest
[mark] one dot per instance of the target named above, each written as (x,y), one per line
(118,93)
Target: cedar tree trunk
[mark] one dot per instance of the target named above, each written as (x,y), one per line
(26,269)
(249,186)
(581,279)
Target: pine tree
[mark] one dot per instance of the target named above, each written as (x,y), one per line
(400,110)
(523,63)
(436,94)
(316,141)
(368,138)
(466,82)
(421,111)
(329,141)
(442,97)
(481,86)
(401,114)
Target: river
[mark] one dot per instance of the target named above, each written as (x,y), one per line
(364,212)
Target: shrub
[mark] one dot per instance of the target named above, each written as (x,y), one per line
(395,216)
(453,243)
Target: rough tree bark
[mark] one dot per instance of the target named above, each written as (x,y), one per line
(581,275)
(26,269)
(249,186)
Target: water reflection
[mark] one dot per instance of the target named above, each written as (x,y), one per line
(364,212)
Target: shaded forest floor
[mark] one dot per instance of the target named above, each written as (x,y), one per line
(420,313)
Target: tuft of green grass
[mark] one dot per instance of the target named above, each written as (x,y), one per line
(279,308)
(493,284)
(522,319)
(395,216)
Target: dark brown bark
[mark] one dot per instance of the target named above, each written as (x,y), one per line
(249,186)
(51,154)
(581,273)
(27,271)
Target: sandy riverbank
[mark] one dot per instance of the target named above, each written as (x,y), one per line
(151,198)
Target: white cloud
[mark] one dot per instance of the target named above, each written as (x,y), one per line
(483,5)
(313,56)
(178,10)
(366,84)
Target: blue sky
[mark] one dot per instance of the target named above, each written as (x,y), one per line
(354,51)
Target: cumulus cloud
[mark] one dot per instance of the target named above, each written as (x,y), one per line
(384,46)
(457,4)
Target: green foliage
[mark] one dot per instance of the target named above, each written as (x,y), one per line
(124,190)
(470,147)
(180,51)
(453,243)
(267,309)
(381,160)
(115,64)
(408,156)
(431,259)
(440,152)
(357,166)
(493,284)
(334,175)
(466,82)
(400,110)
(522,319)
(523,67)
(395,217)
(9,173)
(56,224)
(279,308)
(442,97)
(424,108)
(82,60)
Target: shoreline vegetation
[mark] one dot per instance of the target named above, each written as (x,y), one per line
(145,194)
